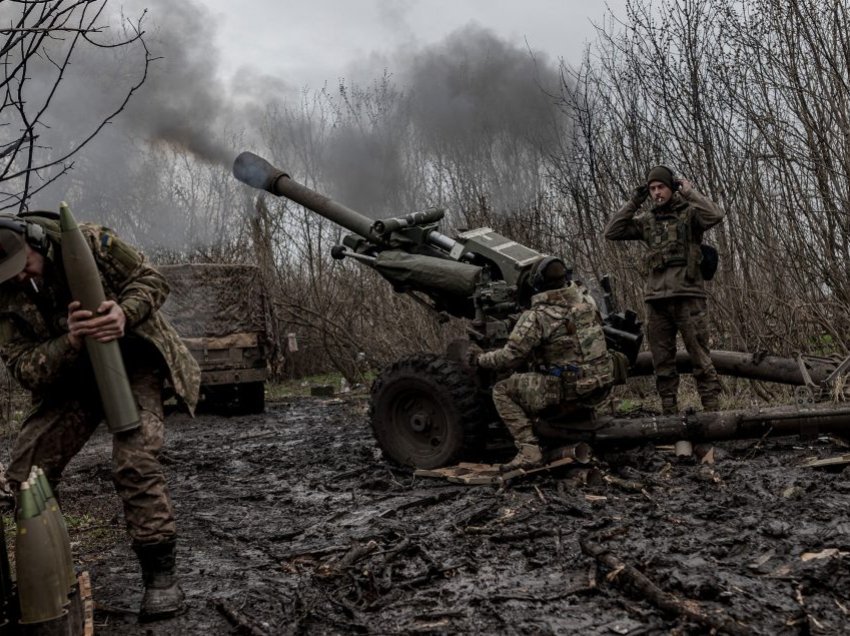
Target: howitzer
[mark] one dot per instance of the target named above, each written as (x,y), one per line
(427,409)
(479,274)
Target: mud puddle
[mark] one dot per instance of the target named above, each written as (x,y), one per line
(291,523)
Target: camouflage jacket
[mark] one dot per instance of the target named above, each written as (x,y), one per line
(672,234)
(34,326)
(560,334)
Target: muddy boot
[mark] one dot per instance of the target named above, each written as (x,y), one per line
(163,597)
(529,456)
(710,403)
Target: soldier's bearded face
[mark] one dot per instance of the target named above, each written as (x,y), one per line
(659,192)
(34,267)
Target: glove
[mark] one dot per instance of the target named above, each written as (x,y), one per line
(471,357)
(639,194)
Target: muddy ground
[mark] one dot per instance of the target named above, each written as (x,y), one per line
(291,523)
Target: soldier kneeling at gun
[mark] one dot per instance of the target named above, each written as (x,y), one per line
(561,337)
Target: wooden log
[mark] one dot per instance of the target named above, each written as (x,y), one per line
(631,577)
(242,623)
(716,425)
(84,583)
(356,553)
(746,365)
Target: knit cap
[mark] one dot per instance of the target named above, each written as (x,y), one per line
(662,174)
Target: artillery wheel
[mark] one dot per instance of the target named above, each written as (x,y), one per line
(424,410)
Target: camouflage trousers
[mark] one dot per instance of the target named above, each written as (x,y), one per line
(62,424)
(523,395)
(687,316)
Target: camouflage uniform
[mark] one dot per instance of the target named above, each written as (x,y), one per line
(561,337)
(675,290)
(34,345)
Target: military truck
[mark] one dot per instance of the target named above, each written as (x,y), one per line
(223,315)
(428,409)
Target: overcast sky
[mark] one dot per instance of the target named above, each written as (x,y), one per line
(220,63)
(307,43)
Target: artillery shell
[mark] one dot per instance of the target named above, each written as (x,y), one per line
(58,519)
(119,406)
(41,588)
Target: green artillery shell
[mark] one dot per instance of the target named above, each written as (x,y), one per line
(53,531)
(58,520)
(119,405)
(41,589)
(48,518)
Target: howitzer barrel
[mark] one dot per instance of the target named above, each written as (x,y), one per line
(745,365)
(259,173)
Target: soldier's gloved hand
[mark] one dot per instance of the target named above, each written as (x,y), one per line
(639,194)
(471,358)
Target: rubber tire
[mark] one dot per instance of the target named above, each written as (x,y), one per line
(251,397)
(444,397)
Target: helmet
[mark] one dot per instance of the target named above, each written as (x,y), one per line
(15,234)
(549,272)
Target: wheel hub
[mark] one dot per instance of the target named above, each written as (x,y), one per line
(420,421)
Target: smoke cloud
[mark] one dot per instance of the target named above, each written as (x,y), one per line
(183,102)
(475,87)
(181,106)
(472,101)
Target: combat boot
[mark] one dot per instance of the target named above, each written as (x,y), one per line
(710,403)
(163,597)
(529,456)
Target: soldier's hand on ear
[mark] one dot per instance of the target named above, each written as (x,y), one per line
(685,186)
(639,194)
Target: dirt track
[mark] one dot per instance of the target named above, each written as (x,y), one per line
(291,523)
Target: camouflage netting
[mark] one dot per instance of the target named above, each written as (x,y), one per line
(211,300)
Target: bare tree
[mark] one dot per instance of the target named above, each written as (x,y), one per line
(749,100)
(41,38)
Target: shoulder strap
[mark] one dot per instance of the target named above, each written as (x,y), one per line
(46,214)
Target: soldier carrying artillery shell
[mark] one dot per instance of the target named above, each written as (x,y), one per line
(43,330)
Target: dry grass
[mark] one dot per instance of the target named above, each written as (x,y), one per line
(840,390)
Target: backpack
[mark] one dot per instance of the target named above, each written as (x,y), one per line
(708,262)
